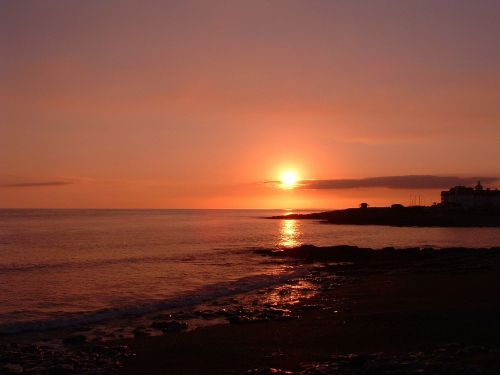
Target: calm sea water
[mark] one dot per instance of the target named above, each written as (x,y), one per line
(63,266)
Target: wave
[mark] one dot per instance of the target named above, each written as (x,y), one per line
(16,267)
(203,295)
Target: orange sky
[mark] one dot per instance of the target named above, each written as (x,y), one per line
(197,104)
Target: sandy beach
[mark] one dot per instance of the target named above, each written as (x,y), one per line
(397,312)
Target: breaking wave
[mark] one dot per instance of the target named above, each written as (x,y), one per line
(202,295)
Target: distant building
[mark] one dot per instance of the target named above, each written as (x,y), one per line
(467,197)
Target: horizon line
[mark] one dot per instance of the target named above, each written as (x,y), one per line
(144,208)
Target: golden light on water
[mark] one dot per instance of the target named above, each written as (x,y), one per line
(289,233)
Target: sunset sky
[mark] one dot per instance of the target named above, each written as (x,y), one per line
(204,104)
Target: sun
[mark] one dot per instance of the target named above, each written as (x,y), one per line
(289,180)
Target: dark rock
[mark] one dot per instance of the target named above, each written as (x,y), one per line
(182,315)
(207,314)
(162,317)
(82,329)
(307,307)
(62,369)
(75,340)
(13,368)
(140,332)
(358,360)
(169,326)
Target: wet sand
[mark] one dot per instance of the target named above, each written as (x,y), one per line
(416,311)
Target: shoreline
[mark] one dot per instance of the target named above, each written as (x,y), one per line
(101,347)
(353,305)
(379,315)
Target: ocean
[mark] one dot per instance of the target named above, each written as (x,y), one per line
(64,267)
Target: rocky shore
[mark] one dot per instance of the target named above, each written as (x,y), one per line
(104,348)
(355,311)
(417,311)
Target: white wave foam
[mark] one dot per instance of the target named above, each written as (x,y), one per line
(202,295)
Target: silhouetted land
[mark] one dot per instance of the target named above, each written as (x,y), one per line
(434,216)
(392,311)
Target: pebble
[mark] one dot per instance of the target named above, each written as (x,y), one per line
(44,360)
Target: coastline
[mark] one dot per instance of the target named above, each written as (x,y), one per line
(400,216)
(355,310)
(101,347)
(433,313)
(428,311)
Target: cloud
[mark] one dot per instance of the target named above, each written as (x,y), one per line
(394,182)
(37,184)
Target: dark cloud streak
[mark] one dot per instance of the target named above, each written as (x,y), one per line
(37,184)
(397,182)
(394,182)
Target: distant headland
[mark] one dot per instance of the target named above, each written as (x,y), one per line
(460,207)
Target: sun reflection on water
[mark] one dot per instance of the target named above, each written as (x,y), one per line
(289,233)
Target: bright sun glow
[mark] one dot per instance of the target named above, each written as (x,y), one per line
(289,180)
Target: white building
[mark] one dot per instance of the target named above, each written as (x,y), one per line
(467,197)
